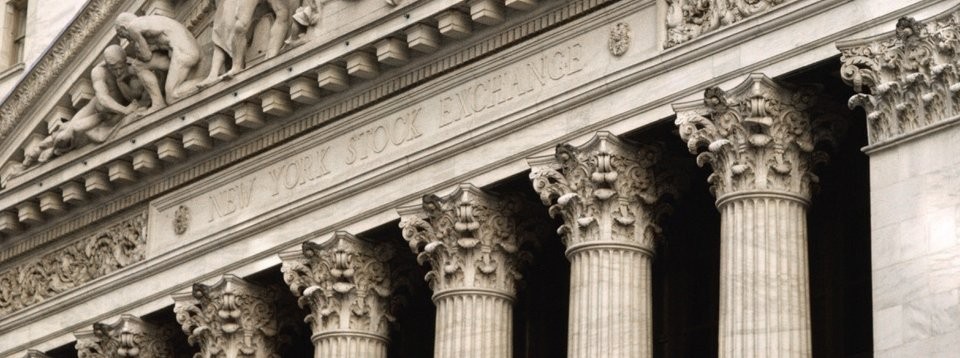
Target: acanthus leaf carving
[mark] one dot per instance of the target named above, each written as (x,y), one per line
(231,318)
(347,283)
(606,182)
(757,137)
(688,19)
(906,79)
(128,337)
(470,239)
(90,257)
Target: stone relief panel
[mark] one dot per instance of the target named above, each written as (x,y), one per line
(907,79)
(88,258)
(688,19)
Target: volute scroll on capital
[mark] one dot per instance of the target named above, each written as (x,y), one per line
(348,283)
(906,79)
(128,337)
(759,136)
(232,318)
(606,190)
(471,239)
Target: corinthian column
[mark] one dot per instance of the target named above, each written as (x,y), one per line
(128,337)
(232,318)
(759,140)
(470,240)
(607,193)
(347,284)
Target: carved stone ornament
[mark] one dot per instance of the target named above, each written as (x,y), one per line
(231,318)
(604,183)
(688,19)
(128,337)
(81,261)
(470,238)
(757,137)
(619,41)
(347,283)
(906,79)
(181,220)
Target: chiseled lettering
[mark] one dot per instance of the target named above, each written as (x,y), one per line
(231,199)
(377,138)
(298,171)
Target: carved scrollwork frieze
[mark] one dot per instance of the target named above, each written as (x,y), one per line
(907,79)
(605,183)
(758,136)
(688,19)
(81,261)
(470,239)
(347,283)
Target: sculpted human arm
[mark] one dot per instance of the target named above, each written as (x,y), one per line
(99,78)
(140,43)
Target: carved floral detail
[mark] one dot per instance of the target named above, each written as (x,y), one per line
(91,257)
(688,19)
(619,41)
(231,318)
(605,183)
(470,238)
(347,283)
(128,337)
(181,220)
(906,79)
(758,136)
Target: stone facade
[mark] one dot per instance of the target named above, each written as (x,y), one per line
(396,178)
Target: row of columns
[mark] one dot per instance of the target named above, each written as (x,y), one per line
(759,141)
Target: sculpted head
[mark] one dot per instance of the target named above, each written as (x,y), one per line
(122,25)
(116,59)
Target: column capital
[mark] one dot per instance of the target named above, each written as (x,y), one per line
(232,317)
(128,337)
(35,354)
(906,79)
(470,238)
(757,137)
(347,283)
(608,191)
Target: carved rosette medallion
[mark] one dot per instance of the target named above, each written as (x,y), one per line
(688,19)
(605,183)
(231,318)
(757,137)
(128,337)
(470,239)
(181,220)
(347,283)
(906,79)
(619,41)
(87,258)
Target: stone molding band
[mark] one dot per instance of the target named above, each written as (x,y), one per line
(473,292)
(349,333)
(612,245)
(763,194)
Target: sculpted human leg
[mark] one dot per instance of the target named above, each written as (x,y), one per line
(278,31)
(149,79)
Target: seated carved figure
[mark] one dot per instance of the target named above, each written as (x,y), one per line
(121,90)
(162,43)
(231,25)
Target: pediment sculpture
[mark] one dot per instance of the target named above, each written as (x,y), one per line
(155,62)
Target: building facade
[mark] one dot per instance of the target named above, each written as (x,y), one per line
(484,178)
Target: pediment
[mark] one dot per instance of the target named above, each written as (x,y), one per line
(65,146)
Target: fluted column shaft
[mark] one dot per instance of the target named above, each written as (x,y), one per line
(610,302)
(764,294)
(473,244)
(473,323)
(349,344)
(760,139)
(608,193)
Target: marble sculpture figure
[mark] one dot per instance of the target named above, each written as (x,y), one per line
(231,23)
(162,43)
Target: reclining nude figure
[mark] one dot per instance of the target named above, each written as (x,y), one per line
(231,24)
(122,91)
(162,43)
